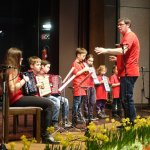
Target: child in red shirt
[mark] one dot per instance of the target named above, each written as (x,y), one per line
(79,93)
(90,99)
(102,92)
(115,84)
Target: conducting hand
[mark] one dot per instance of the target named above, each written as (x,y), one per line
(100,50)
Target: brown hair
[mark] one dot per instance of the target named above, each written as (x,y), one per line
(45,62)
(81,51)
(114,66)
(89,56)
(126,21)
(13,57)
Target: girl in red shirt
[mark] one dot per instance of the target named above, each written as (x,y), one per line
(101,92)
(115,84)
(90,100)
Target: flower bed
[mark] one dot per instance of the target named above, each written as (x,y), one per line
(106,137)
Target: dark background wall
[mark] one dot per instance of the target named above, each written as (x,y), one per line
(75,23)
(21,25)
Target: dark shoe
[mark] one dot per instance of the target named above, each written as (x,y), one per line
(80,121)
(115,116)
(120,127)
(93,118)
(56,126)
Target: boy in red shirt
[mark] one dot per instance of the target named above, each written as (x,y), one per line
(115,84)
(79,93)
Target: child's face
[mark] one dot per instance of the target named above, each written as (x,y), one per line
(115,70)
(46,68)
(81,57)
(36,67)
(103,71)
(90,61)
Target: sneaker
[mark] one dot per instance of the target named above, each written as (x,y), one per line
(67,125)
(49,139)
(102,116)
(93,118)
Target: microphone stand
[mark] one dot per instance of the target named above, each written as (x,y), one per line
(143,89)
(125,69)
(4,107)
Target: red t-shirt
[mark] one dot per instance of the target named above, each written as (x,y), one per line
(100,91)
(13,97)
(77,86)
(115,90)
(131,56)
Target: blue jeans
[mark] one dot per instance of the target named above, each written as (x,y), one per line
(126,94)
(76,108)
(59,101)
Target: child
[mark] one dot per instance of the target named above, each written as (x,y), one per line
(115,84)
(79,93)
(90,99)
(16,97)
(35,66)
(101,92)
(59,100)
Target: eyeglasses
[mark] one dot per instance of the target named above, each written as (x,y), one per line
(121,24)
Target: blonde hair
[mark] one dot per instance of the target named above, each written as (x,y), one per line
(33,60)
(81,51)
(100,69)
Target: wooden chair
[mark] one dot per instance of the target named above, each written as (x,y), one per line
(16,111)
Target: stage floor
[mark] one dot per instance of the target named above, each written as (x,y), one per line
(22,130)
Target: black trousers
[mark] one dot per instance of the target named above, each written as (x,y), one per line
(35,101)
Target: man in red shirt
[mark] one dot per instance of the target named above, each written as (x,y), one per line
(127,63)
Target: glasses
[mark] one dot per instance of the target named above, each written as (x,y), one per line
(121,24)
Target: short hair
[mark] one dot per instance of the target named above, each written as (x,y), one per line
(33,60)
(126,21)
(45,62)
(81,51)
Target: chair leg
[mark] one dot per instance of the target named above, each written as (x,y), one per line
(15,123)
(25,120)
(37,126)
(6,129)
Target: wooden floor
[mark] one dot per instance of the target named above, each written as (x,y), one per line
(22,130)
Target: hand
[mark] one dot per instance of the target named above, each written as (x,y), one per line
(40,85)
(86,68)
(26,78)
(100,50)
(112,58)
